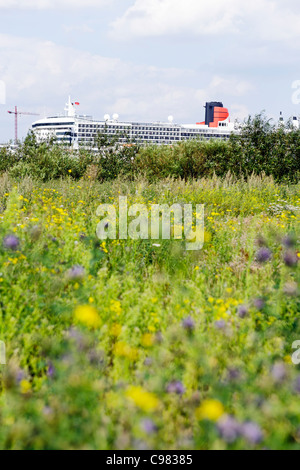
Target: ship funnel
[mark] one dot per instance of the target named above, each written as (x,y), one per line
(215,113)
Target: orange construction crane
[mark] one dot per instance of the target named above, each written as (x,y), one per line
(17,113)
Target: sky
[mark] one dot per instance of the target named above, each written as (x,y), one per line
(148,59)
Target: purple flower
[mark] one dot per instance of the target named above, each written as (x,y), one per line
(233,374)
(259,304)
(148,362)
(290,259)
(20,376)
(50,370)
(77,336)
(47,411)
(188,324)
(252,433)
(229,429)
(289,241)
(96,357)
(11,242)
(176,387)
(220,324)
(263,255)
(149,426)
(76,273)
(243,311)
(278,372)
(159,337)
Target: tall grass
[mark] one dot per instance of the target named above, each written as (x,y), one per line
(141,344)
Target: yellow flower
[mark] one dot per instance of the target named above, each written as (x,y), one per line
(147,340)
(115,307)
(88,316)
(211,410)
(124,350)
(152,328)
(288,360)
(116,330)
(144,400)
(25,387)
(207,237)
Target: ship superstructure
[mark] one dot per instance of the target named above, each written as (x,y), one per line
(75,130)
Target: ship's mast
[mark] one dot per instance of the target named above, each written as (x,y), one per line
(70,109)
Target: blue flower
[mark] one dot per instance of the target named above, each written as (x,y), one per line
(263,255)
(176,387)
(11,242)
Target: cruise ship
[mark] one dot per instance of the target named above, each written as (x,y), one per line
(76,130)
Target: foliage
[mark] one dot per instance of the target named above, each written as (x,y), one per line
(259,147)
(141,344)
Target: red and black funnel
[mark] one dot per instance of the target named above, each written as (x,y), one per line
(215,113)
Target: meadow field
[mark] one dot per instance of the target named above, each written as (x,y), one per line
(142,344)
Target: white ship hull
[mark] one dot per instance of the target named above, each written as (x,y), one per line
(77,131)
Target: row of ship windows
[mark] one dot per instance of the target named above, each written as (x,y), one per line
(165,139)
(123,128)
(162,136)
(83,139)
(149,136)
(150,131)
(135,134)
(52,124)
(133,130)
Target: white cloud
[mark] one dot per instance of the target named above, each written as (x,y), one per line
(50,4)
(2,92)
(39,75)
(266,19)
(83,28)
(239,111)
(221,85)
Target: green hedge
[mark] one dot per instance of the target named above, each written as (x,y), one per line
(259,148)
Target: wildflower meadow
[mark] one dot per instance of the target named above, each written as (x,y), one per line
(141,344)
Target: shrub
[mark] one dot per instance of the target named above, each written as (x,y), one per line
(260,147)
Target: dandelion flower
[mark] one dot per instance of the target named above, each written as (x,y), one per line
(144,400)
(210,410)
(87,316)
